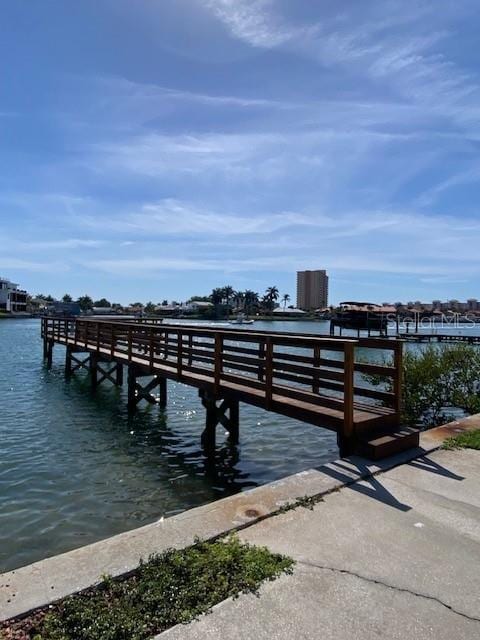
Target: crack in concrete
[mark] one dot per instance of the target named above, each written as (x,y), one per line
(388,586)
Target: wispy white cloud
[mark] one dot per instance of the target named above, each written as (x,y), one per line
(42,204)
(182,237)
(124,102)
(355,262)
(36,266)
(431,195)
(385,42)
(251,155)
(153,95)
(169,216)
(396,242)
(254,22)
(153,154)
(443,280)
(325,137)
(67,243)
(176,217)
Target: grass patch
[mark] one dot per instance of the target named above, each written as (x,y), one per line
(468,440)
(170,588)
(307,502)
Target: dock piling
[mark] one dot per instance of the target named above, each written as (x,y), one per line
(49,354)
(138,391)
(93,370)
(131,381)
(101,370)
(74,362)
(68,362)
(119,374)
(217,414)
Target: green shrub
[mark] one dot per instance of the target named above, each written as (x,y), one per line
(468,440)
(171,588)
(437,380)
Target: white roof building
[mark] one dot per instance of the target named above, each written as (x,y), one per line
(12,299)
(282,311)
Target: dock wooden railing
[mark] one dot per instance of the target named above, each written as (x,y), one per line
(310,377)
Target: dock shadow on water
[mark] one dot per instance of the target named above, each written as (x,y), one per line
(76,467)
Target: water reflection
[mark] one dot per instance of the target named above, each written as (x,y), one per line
(76,466)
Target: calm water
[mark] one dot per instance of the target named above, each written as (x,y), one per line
(75,467)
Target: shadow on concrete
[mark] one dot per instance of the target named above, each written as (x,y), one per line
(355,474)
(424,463)
(367,485)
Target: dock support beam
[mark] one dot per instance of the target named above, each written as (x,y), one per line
(48,352)
(216,413)
(45,348)
(68,362)
(73,362)
(93,371)
(138,391)
(346,437)
(119,375)
(346,446)
(101,370)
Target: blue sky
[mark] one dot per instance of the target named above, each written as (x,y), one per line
(156,149)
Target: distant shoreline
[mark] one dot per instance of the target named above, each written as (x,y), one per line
(7,316)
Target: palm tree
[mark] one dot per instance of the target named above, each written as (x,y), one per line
(228,294)
(239,300)
(42,296)
(272,293)
(251,300)
(217,296)
(103,302)
(285,299)
(270,297)
(85,303)
(217,299)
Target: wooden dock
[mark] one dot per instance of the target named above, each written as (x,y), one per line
(440,337)
(311,378)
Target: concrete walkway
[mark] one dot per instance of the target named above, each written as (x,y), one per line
(393,556)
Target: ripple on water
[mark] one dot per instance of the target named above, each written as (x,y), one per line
(75,467)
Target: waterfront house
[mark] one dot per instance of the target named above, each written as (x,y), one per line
(12,299)
(167,309)
(197,306)
(361,316)
(63,309)
(289,312)
(105,311)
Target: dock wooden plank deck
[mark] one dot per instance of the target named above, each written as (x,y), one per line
(311,378)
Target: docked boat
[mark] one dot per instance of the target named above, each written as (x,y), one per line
(242,319)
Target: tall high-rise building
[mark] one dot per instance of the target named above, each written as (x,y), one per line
(473,304)
(312,290)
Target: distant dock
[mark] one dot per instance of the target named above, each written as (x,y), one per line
(438,337)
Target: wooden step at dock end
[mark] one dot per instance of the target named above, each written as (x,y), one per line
(382,445)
